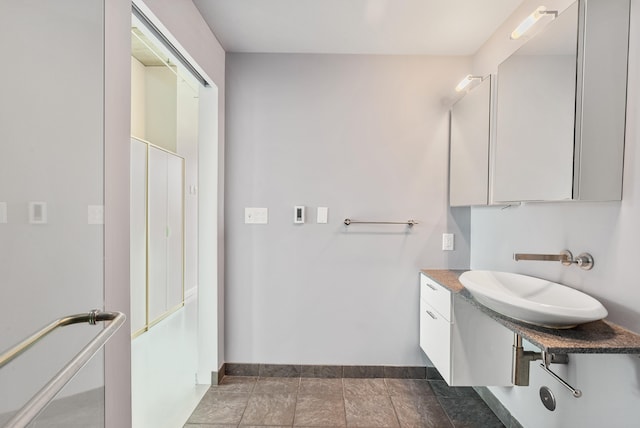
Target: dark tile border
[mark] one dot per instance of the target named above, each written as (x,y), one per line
(326,371)
(433,374)
(279,370)
(405,372)
(216,377)
(497,407)
(361,372)
(236,369)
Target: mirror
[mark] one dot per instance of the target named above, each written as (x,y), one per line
(535,115)
(561,101)
(469,157)
(52,243)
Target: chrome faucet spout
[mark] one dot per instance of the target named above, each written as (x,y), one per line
(584,260)
(565,257)
(542,257)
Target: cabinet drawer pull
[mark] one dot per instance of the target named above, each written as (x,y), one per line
(431,315)
(430,286)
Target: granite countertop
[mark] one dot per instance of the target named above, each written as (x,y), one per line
(598,337)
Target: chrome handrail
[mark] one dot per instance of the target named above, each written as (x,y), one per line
(43,397)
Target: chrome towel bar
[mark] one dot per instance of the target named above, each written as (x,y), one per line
(348,221)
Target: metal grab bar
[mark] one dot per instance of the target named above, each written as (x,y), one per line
(43,397)
(575,392)
(348,221)
(91,318)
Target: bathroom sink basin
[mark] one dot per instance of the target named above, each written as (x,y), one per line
(532,300)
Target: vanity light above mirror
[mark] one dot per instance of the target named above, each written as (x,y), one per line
(531,20)
(466,81)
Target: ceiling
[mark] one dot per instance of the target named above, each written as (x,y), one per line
(409,27)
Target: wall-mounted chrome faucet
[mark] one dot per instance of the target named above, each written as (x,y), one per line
(584,260)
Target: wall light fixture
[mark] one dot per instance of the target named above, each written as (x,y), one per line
(466,81)
(530,20)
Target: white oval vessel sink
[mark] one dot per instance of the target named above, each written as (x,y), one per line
(532,300)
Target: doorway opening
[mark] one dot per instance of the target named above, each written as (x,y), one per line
(173,351)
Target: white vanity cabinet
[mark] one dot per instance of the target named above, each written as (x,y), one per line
(466,346)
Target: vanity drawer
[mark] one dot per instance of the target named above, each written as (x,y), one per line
(435,339)
(436,296)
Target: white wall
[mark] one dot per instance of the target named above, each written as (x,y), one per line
(161,107)
(117,149)
(366,136)
(188,109)
(607,230)
(138,97)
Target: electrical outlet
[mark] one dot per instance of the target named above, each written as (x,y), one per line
(447,242)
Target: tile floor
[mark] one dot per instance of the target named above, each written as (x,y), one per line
(314,402)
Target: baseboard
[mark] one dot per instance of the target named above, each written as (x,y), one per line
(497,407)
(216,377)
(324,371)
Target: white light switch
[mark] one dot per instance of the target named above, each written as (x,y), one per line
(3,212)
(256,215)
(95,214)
(323,215)
(447,242)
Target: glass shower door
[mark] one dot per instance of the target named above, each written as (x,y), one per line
(51,199)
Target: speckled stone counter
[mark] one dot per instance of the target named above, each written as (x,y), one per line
(598,337)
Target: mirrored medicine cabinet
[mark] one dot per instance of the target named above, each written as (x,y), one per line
(469,156)
(560,109)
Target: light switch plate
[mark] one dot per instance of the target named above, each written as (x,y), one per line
(447,242)
(256,215)
(323,215)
